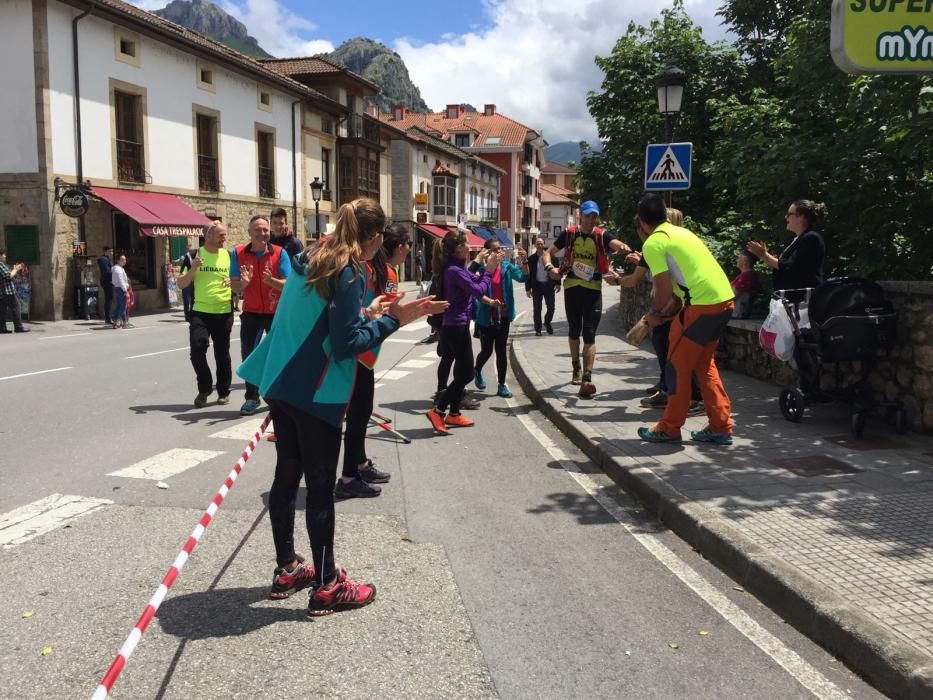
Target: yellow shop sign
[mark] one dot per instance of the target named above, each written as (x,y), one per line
(883,36)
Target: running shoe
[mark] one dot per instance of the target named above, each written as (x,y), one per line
(654,435)
(478,380)
(653,389)
(200,401)
(538,333)
(249,407)
(284,582)
(707,435)
(355,488)
(437,421)
(657,400)
(587,388)
(696,408)
(504,391)
(577,377)
(340,595)
(372,474)
(470,404)
(457,420)
(223,400)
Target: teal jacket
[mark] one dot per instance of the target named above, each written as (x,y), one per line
(309,357)
(509,272)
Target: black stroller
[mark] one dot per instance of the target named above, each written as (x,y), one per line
(843,320)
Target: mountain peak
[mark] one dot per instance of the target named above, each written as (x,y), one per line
(207,18)
(384,67)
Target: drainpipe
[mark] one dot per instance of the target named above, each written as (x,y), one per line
(77,92)
(294,171)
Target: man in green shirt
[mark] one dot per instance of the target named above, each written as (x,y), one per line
(677,256)
(211,315)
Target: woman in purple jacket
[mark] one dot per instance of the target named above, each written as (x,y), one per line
(460,288)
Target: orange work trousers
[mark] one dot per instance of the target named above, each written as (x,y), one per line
(694,335)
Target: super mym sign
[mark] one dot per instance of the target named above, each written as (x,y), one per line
(883,36)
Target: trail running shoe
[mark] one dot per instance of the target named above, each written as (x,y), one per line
(478,380)
(654,435)
(577,377)
(653,389)
(284,582)
(340,595)
(504,391)
(707,435)
(355,488)
(372,474)
(249,407)
(457,420)
(437,421)
(223,400)
(656,400)
(587,388)
(200,401)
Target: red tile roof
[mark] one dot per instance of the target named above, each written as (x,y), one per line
(312,65)
(552,194)
(553,167)
(511,134)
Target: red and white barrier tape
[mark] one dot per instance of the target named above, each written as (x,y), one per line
(106,683)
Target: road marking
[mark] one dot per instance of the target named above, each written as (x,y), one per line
(377,385)
(166,464)
(430,353)
(390,375)
(406,341)
(32,374)
(244,430)
(160,352)
(416,326)
(805,674)
(44,515)
(69,335)
(417,364)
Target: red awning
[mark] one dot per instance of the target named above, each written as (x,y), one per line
(157,213)
(473,241)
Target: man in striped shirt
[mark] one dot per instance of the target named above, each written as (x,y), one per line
(8,303)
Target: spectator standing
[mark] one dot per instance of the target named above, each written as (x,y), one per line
(800,264)
(677,256)
(121,291)
(282,235)
(8,302)
(211,315)
(187,294)
(258,270)
(105,269)
(540,288)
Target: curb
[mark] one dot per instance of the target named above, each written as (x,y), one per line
(893,665)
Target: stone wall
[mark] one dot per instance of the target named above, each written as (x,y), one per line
(906,375)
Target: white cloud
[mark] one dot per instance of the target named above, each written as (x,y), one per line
(535,60)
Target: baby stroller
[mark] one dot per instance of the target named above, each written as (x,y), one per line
(843,320)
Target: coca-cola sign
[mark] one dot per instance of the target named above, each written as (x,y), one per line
(74,202)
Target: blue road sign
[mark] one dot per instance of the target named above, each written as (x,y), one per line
(668,166)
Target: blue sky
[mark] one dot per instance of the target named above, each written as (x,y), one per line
(533,59)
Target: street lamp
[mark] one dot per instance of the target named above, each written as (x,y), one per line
(670,84)
(317,189)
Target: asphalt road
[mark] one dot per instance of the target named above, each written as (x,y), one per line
(506,564)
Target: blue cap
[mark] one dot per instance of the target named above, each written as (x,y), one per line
(589,207)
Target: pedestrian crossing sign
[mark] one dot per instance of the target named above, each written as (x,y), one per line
(668,166)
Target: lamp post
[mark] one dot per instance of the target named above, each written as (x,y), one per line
(317,189)
(670,84)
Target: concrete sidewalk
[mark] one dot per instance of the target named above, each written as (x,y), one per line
(832,533)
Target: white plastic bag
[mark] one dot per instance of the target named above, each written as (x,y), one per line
(776,336)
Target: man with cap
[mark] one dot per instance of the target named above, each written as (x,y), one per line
(586,263)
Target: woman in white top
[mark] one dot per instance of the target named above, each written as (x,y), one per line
(121,288)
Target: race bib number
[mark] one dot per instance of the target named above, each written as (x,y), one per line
(582,271)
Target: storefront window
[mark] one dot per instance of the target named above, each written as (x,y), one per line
(139,251)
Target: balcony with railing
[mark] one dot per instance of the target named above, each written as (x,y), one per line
(266,182)
(489,215)
(363,127)
(130,157)
(208,180)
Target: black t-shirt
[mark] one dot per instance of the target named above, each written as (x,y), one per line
(800,264)
(289,243)
(585,252)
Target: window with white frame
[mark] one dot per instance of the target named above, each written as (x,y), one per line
(445,195)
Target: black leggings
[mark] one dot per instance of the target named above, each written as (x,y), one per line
(584,308)
(358,413)
(494,338)
(458,348)
(305,446)
(660,339)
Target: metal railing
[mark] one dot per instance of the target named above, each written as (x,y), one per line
(130,161)
(489,215)
(266,182)
(208,181)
